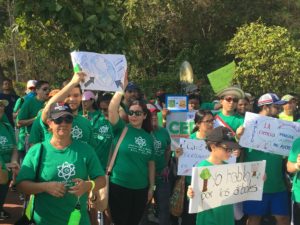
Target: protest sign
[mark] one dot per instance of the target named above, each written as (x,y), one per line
(225,184)
(105,72)
(222,77)
(194,151)
(177,103)
(180,125)
(269,134)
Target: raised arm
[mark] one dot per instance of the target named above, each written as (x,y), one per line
(63,93)
(113,108)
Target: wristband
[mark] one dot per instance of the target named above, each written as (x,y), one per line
(93,185)
(297,166)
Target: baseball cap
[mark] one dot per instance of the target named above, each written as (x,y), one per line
(288,98)
(132,87)
(31,83)
(224,136)
(88,95)
(4,102)
(59,109)
(270,98)
(152,108)
(191,88)
(234,91)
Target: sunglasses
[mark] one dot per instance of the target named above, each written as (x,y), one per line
(136,113)
(230,99)
(208,121)
(226,148)
(67,119)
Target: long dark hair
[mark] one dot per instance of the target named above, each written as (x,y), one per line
(199,115)
(147,125)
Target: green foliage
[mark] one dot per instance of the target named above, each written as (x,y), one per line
(267,59)
(205,174)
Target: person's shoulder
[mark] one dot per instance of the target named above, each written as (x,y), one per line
(296,143)
(81,146)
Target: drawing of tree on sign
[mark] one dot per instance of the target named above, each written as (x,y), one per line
(205,175)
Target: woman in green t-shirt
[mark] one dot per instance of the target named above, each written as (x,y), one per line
(8,157)
(220,143)
(69,170)
(133,176)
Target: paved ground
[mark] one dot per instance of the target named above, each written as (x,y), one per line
(13,206)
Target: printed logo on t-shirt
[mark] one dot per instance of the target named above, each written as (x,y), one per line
(3,140)
(76,132)
(103,129)
(66,171)
(157,144)
(141,142)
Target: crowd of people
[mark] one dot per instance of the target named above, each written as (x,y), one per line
(56,145)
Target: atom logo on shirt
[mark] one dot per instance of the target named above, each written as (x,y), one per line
(76,132)
(103,129)
(140,141)
(3,140)
(66,170)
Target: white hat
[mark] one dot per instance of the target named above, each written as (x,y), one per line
(31,83)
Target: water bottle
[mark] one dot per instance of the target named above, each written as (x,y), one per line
(75,216)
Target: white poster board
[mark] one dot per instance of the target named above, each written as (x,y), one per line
(194,151)
(225,184)
(269,134)
(105,72)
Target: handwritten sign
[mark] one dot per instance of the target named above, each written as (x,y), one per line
(226,184)
(177,103)
(105,72)
(194,151)
(269,134)
(179,125)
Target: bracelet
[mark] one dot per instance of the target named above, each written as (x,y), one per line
(297,166)
(93,185)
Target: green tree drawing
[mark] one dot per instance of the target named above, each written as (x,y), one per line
(205,175)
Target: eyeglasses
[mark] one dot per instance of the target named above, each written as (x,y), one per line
(208,121)
(67,119)
(136,113)
(230,99)
(45,89)
(226,148)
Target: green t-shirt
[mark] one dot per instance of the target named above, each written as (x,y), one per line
(81,130)
(103,137)
(222,215)
(7,143)
(234,121)
(136,150)
(161,142)
(293,158)
(208,105)
(78,160)
(30,109)
(274,171)
(36,133)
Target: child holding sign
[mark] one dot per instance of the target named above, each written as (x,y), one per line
(220,143)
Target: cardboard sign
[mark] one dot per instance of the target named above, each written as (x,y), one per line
(179,125)
(269,134)
(105,72)
(225,184)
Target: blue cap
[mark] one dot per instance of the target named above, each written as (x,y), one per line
(132,87)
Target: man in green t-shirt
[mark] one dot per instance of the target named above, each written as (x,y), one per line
(81,127)
(227,116)
(29,111)
(275,195)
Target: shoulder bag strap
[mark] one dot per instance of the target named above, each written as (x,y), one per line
(113,158)
(39,163)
